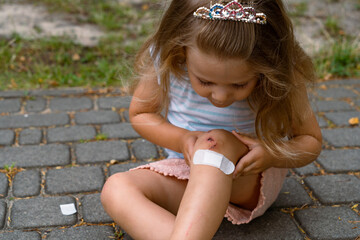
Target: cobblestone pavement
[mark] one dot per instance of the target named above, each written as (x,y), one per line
(54,151)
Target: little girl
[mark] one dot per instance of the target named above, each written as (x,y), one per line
(231,66)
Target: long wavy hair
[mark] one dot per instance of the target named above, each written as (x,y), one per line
(271,49)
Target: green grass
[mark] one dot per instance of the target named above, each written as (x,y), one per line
(60,62)
(340,59)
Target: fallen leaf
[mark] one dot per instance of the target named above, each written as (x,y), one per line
(76,57)
(323,87)
(354,121)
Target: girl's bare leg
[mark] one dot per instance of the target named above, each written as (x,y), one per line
(144,203)
(209,190)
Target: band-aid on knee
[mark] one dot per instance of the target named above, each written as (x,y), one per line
(214,159)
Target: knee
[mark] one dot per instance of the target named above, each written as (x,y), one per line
(113,187)
(223,142)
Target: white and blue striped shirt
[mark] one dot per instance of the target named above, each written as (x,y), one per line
(190,111)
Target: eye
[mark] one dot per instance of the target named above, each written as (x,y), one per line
(204,83)
(237,86)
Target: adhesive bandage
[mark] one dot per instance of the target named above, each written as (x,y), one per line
(214,159)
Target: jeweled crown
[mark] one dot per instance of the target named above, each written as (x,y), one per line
(232,11)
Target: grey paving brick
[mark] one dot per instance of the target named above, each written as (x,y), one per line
(74,180)
(83,232)
(326,106)
(13,93)
(35,105)
(92,209)
(292,194)
(20,235)
(121,130)
(340,160)
(272,225)
(336,93)
(144,149)
(3,209)
(30,136)
(4,185)
(342,82)
(70,104)
(357,103)
(34,120)
(342,118)
(10,105)
(102,151)
(70,134)
(342,137)
(7,137)
(57,92)
(35,156)
(126,116)
(41,212)
(333,189)
(27,183)
(125,166)
(307,170)
(116,102)
(322,122)
(97,117)
(329,222)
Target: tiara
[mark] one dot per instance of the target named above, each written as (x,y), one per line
(232,11)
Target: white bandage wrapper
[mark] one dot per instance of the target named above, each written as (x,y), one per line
(214,159)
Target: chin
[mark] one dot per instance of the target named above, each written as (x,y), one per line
(220,105)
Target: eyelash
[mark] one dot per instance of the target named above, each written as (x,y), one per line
(237,86)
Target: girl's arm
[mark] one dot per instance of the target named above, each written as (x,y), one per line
(153,126)
(305,144)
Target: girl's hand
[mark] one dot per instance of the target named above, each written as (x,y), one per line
(255,161)
(187,144)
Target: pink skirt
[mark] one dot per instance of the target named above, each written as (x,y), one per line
(271,183)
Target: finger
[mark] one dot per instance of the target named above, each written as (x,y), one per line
(246,140)
(242,164)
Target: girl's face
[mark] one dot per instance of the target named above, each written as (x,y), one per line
(222,82)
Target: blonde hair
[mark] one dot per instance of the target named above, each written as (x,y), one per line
(271,49)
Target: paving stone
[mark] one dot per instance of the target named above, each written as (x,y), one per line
(342,137)
(116,102)
(125,166)
(34,120)
(144,149)
(121,130)
(19,235)
(336,93)
(102,151)
(7,137)
(2,213)
(342,118)
(322,122)
(126,116)
(27,183)
(292,194)
(13,93)
(307,170)
(326,106)
(35,156)
(329,222)
(30,136)
(35,105)
(342,82)
(41,212)
(357,103)
(92,209)
(57,92)
(97,117)
(83,232)
(70,104)
(10,105)
(332,189)
(71,134)
(4,185)
(272,225)
(340,160)
(74,180)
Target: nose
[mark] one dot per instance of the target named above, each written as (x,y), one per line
(220,94)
